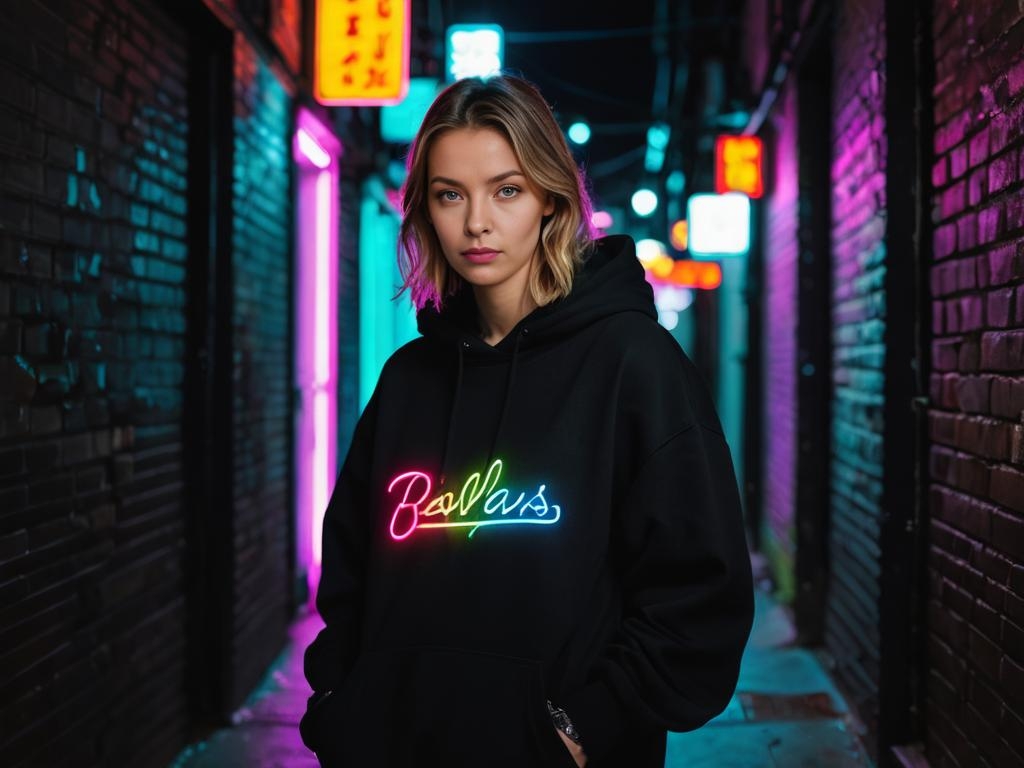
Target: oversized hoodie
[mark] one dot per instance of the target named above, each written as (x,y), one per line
(555,518)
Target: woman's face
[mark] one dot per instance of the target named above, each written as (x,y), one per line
(486,213)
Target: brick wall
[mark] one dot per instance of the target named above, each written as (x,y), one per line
(262,410)
(858,322)
(976,578)
(92,206)
(780,302)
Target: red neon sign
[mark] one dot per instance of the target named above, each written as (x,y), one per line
(738,165)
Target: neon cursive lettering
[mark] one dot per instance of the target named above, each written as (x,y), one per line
(463,510)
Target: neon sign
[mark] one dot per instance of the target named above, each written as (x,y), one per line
(414,512)
(361,53)
(738,165)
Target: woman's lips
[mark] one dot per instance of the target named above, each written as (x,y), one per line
(480,255)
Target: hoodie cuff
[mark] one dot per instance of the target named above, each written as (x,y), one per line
(599,717)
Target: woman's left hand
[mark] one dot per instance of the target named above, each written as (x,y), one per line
(574,749)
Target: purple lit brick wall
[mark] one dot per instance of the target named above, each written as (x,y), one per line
(93,131)
(780,283)
(262,368)
(858,322)
(976,578)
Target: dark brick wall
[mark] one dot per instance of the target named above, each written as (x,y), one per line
(858,324)
(93,131)
(976,577)
(261,440)
(780,353)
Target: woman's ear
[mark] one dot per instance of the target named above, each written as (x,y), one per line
(549,206)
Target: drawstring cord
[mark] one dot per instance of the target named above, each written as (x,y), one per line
(509,384)
(507,399)
(451,416)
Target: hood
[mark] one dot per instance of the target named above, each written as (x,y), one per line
(611,280)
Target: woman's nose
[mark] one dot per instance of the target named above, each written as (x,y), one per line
(477,220)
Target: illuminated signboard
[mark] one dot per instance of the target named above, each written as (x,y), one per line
(400,122)
(719,225)
(738,165)
(362,52)
(662,269)
(474,50)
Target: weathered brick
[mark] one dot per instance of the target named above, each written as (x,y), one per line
(1002,172)
(945,353)
(958,161)
(1011,675)
(986,619)
(1012,638)
(953,200)
(989,222)
(999,308)
(979,147)
(985,654)
(944,240)
(967,231)
(977,186)
(971,313)
(968,355)
(1002,350)
(1006,486)
(1007,397)
(972,393)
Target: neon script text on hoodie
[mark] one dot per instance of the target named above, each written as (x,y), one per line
(465,511)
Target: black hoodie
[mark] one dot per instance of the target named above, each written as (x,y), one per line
(552,518)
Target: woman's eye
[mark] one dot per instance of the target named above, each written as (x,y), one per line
(508,191)
(449,195)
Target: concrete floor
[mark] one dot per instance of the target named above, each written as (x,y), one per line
(786,713)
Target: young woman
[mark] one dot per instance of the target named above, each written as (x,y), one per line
(534,555)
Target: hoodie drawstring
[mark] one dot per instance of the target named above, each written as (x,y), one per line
(509,384)
(451,416)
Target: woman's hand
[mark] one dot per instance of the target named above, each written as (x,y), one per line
(574,749)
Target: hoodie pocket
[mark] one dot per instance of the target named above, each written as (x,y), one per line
(421,706)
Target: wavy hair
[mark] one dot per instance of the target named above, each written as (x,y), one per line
(514,108)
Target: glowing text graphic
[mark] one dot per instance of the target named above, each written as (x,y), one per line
(479,504)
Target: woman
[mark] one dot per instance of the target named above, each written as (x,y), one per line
(534,555)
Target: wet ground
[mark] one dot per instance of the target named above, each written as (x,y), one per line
(786,713)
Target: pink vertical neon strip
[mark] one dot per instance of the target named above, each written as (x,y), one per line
(322,373)
(316,152)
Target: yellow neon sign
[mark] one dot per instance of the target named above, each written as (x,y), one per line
(361,54)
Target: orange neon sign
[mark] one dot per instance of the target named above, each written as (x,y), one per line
(738,165)
(361,53)
(685,273)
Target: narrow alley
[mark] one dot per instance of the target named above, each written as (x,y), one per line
(568,359)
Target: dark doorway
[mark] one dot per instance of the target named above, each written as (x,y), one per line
(207,415)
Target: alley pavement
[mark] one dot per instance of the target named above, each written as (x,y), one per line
(786,712)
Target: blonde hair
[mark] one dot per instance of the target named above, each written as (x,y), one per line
(514,108)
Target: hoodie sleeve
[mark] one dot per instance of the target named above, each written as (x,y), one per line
(686,586)
(345,534)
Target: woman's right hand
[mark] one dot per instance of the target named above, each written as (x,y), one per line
(574,749)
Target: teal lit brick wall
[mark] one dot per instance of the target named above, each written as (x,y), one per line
(262,410)
(975,628)
(93,131)
(858,324)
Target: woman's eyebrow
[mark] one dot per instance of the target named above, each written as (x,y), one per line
(492,180)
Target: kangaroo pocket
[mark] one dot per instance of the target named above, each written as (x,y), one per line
(427,706)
